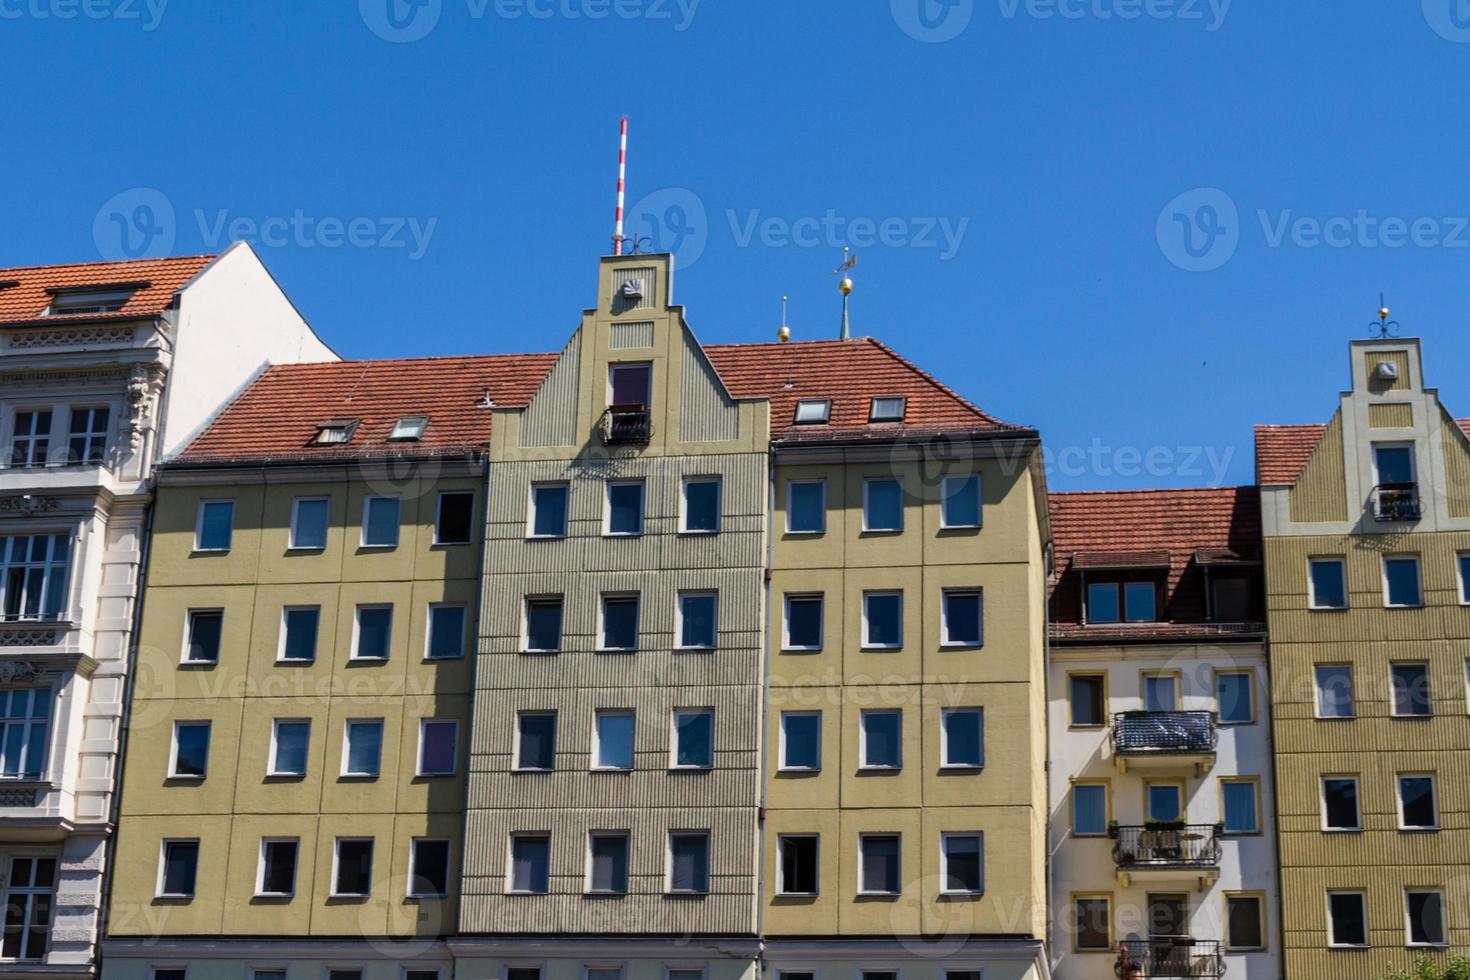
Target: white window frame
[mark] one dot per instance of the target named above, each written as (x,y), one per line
(824,416)
(868,482)
(863,717)
(163,846)
(863,860)
(199,525)
(189,614)
(945,640)
(34,460)
(260,891)
(296,503)
(353,655)
(173,754)
(642,486)
(1398,797)
(597,717)
(1462,577)
(91,435)
(1317,693)
(273,765)
(429,630)
(25,895)
(337,865)
(409,428)
(315,640)
(1418,574)
(817,482)
(669,861)
(903,406)
(1367,926)
(1341,564)
(627,839)
(944,838)
(516,742)
(944,762)
(439,542)
(413,865)
(510,860)
(347,727)
(782,765)
(1444,919)
(602,621)
(679,619)
(1357,796)
(821,600)
(1413,459)
(1393,706)
(684,504)
(781,888)
(868,643)
(979,502)
(424,724)
(674,765)
(367,504)
(532,508)
(526,604)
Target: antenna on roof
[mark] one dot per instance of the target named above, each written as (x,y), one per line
(622,186)
(784,334)
(487,401)
(1383,328)
(848,262)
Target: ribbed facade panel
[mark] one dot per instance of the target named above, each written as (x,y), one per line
(648,276)
(551,418)
(630,336)
(707,413)
(1320,493)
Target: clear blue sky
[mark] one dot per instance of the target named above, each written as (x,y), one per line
(1048,136)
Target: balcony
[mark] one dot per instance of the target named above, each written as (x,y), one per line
(1397,502)
(627,425)
(1171,956)
(1164,741)
(1167,852)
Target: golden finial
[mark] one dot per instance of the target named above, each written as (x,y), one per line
(845,286)
(784,334)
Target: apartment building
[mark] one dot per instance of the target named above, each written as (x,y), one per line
(104,369)
(1163,836)
(1367,545)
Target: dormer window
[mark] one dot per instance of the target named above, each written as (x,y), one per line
(89,301)
(409,428)
(813,411)
(1122,602)
(888,409)
(336,432)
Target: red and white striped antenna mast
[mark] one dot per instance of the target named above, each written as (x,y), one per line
(622,186)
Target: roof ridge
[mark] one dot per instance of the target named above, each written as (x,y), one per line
(1233,488)
(937,384)
(100,262)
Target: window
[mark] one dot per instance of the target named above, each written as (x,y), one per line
(701,505)
(336,432)
(1235,596)
(1418,808)
(1340,803)
(961,507)
(619,622)
(698,612)
(883,504)
(362,747)
(1393,465)
(607,863)
(549,510)
(1425,908)
(438,747)
(182,973)
(878,864)
(613,748)
(190,756)
(1164,802)
(374,633)
(1240,800)
(689,862)
(1160,692)
(353,876)
(1347,919)
(90,301)
(887,409)
(813,411)
(531,973)
(1089,809)
(536,741)
(1086,694)
(380,520)
(215,526)
(206,628)
(25,729)
(803,622)
(178,867)
(963,617)
(631,385)
(881,736)
(601,973)
(290,740)
(33,573)
(806,507)
(309,517)
(543,624)
(352,974)
(454,518)
(796,856)
(30,440)
(1401,586)
(694,738)
(299,625)
(530,864)
(1410,684)
(801,741)
(428,873)
(624,509)
(1245,925)
(1235,697)
(276,877)
(962,738)
(1464,562)
(882,620)
(1335,691)
(408,429)
(87,438)
(1328,583)
(30,899)
(446,632)
(962,859)
(1092,924)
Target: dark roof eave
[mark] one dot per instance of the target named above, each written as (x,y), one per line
(843,439)
(305,459)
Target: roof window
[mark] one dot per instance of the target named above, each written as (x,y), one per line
(409,428)
(889,409)
(813,411)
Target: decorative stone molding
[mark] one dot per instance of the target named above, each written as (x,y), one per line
(16,671)
(27,637)
(27,504)
(144,386)
(73,337)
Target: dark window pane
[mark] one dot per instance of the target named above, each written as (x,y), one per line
(883,510)
(380,521)
(1341,803)
(354,867)
(205,630)
(880,856)
(278,877)
(620,623)
(802,741)
(531,865)
(301,633)
(963,738)
(1233,693)
(702,505)
(191,750)
(694,733)
(543,624)
(625,508)
(1244,923)
(609,863)
(1402,576)
(689,863)
(374,632)
(1329,585)
(550,511)
(697,620)
(430,867)
(630,384)
(538,742)
(181,863)
(310,529)
(962,618)
(364,747)
(216,522)
(807,507)
(1417,794)
(1426,918)
(882,735)
(1102,603)
(1087,701)
(456,519)
(1093,923)
(446,632)
(1140,601)
(963,864)
(1410,690)
(1349,922)
(883,612)
(440,748)
(804,622)
(798,865)
(292,738)
(962,502)
(1335,691)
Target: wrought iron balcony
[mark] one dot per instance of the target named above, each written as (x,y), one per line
(1171,956)
(1164,739)
(627,425)
(1397,502)
(1167,845)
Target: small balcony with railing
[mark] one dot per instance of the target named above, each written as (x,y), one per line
(1167,852)
(627,425)
(1165,741)
(1397,502)
(1171,957)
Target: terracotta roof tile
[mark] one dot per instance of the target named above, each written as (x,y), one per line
(26,291)
(1283,451)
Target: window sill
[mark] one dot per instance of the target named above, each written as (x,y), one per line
(367,660)
(616,650)
(428,897)
(700,649)
(174,777)
(294,662)
(274,896)
(801,649)
(360,777)
(535,537)
(611,769)
(435,775)
(883,769)
(691,768)
(1328,609)
(1419,830)
(531,772)
(870,648)
(1342,830)
(449,544)
(805,534)
(953,895)
(622,534)
(977,645)
(961,767)
(210,551)
(197,664)
(443,659)
(684,894)
(880,894)
(301,549)
(686,533)
(800,771)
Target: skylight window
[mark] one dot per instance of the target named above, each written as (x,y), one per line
(409,428)
(91,301)
(336,432)
(813,411)
(887,409)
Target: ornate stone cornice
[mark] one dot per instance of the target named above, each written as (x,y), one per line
(27,504)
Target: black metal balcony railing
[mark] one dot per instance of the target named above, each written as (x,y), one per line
(627,425)
(1169,845)
(1164,732)
(1173,957)
(1397,502)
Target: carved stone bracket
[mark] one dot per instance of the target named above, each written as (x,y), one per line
(14,671)
(144,386)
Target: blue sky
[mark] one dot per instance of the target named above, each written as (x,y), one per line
(1137,224)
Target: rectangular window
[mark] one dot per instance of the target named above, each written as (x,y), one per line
(290,741)
(962,738)
(1093,924)
(1418,807)
(701,505)
(1393,466)
(30,440)
(206,629)
(961,507)
(614,740)
(30,900)
(806,507)
(1164,802)
(796,856)
(1327,579)
(33,577)
(454,518)
(408,429)
(1160,692)
(694,738)
(1335,697)
(882,620)
(881,736)
(380,521)
(536,741)
(962,615)
(1088,701)
(1347,919)
(883,504)
(887,409)
(1401,585)
(171,973)
(619,622)
(1240,799)
(215,527)
(1102,603)
(801,741)
(1234,596)
(625,508)
(362,747)
(1340,803)
(1426,921)
(962,859)
(309,517)
(1140,602)
(607,863)
(87,438)
(1235,697)
(631,384)
(1245,923)
(446,632)
(543,624)
(813,411)
(299,627)
(353,875)
(178,867)
(803,622)
(530,864)
(428,873)
(1089,809)
(438,747)
(1410,689)
(1464,563)
(374,633)
(878,864)
(549,505)
(276,877)
(689,862)
(190,757)
(698,613)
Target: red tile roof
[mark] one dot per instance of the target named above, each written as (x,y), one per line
(26,291)
(1283,451)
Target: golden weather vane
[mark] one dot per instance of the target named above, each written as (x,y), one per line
(849,261)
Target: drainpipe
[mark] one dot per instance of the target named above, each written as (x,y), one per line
(1275,803)
(765,715)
